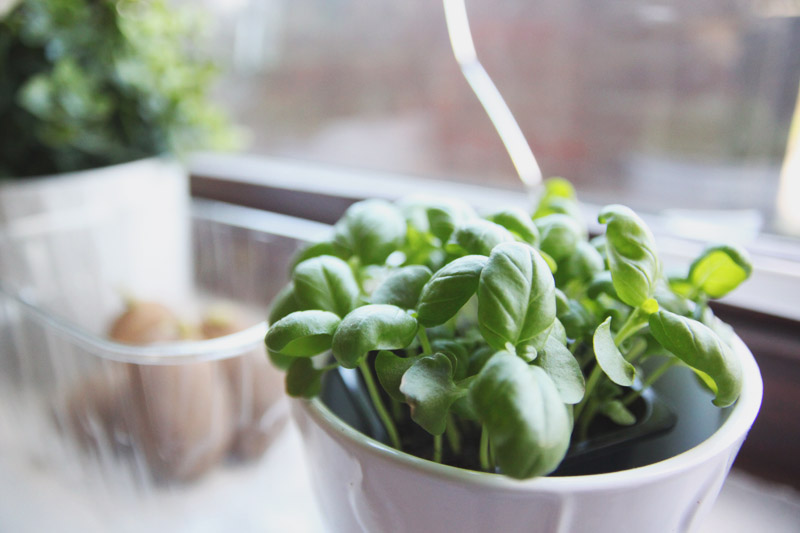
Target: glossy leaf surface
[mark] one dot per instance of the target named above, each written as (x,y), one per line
(303,333)
(610,358)
(402,287)
(429,390)
(372,327)
(528,424)
(631,254)
(516,296)
(325,283)
(699,347)
(449,289)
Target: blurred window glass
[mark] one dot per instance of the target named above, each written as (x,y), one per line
(666,106)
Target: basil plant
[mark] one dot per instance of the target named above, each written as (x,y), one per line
(503,337)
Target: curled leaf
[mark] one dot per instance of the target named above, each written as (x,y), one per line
(631,251)
(372,327)
(699,347)
(302,333)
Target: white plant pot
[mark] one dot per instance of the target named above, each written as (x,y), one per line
(78,239)
(365,486)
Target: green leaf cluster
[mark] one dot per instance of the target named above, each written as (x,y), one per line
(87,84)
(513,330)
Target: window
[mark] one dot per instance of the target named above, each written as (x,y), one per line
(679,105)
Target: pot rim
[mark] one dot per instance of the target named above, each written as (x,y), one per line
(26,182)
(733,429)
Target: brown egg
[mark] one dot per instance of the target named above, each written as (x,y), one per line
(181,417)
(146,323)
(256,387)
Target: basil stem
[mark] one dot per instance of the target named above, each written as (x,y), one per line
(423,339)
(453,435)
(484,450)
(383,414)
(437,449)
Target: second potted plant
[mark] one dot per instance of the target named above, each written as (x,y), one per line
(513,342)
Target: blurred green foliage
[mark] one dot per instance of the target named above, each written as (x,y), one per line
(89,83)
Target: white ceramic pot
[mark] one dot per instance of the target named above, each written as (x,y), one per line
(84,241)
(365,486)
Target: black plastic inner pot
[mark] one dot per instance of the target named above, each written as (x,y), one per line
(674,416)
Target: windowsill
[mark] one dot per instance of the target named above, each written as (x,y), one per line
(774,288)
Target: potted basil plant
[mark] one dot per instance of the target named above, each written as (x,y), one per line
(503,345)
(97,99)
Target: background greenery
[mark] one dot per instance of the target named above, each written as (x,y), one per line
(91,83)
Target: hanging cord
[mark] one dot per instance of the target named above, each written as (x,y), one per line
(455,13)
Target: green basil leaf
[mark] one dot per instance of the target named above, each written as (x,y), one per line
(680,286)
(303,380)
(699,347)
(719,270)
(457,354)
(563,369)
(558,196)
(279,360)
(402,287)
(576,319)
(528,424)
(618,413)
(318,249)
(372,327)
(449,289)
(283,304)
(371,230)
(601,284)
(609,357)
(631,254)
(598,242)
(580,267)
(478,358)
(560,235)
(326,283)
(429,390)
(445,216)
(303,333)
(671,301)
(519,223)
(479,236)
(516,296)
(390,369)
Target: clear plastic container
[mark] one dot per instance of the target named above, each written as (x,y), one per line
(99,435)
